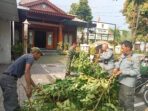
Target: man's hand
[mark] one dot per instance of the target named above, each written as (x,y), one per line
(100,51)
(29,92)
(32,83)
(115,71)
(28,80)
(118,73)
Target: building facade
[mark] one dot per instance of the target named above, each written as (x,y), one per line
(101,32)
(48,24)
(8,13)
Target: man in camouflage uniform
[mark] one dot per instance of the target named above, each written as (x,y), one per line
(127,69)
(106,58)
(71,53)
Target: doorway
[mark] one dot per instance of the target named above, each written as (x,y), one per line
(40,39)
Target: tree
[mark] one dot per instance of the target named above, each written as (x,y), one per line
(136,12)
(73,8)
(116,33)
(82,10)
(120,35)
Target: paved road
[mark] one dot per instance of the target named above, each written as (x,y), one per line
(46,71)
(140,105)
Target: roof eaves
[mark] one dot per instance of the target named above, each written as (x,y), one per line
(22,8)
(43,1)
(50,13)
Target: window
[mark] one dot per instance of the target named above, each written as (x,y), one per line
(50,39)
(70,39)
(104,37)
(30,37)
(65,38)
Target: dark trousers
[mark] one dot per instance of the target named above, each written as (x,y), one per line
(9,89)
(126,97)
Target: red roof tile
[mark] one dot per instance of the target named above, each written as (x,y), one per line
(50,9)
(38,2)
(52,13)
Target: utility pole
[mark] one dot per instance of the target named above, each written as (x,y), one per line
(87,31)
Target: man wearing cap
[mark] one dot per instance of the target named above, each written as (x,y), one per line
(8,80)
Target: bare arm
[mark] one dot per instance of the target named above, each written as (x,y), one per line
(28,78)
(29,81)
(32,83)
(28,75)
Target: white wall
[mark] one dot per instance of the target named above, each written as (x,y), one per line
(102,26)
(5,42)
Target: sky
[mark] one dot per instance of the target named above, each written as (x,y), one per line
(107,10)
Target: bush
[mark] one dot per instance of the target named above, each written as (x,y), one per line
(17,50)
(62,48)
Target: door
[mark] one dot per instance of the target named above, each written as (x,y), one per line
(40,39)
(49,43)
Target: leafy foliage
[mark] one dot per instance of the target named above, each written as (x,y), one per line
(89,91)
(76,94)
(82,64)
(62,48)
(120,35)
(82,10)
(17,50)
(74,8)
(136,12)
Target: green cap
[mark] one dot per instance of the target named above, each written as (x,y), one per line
(36,49)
